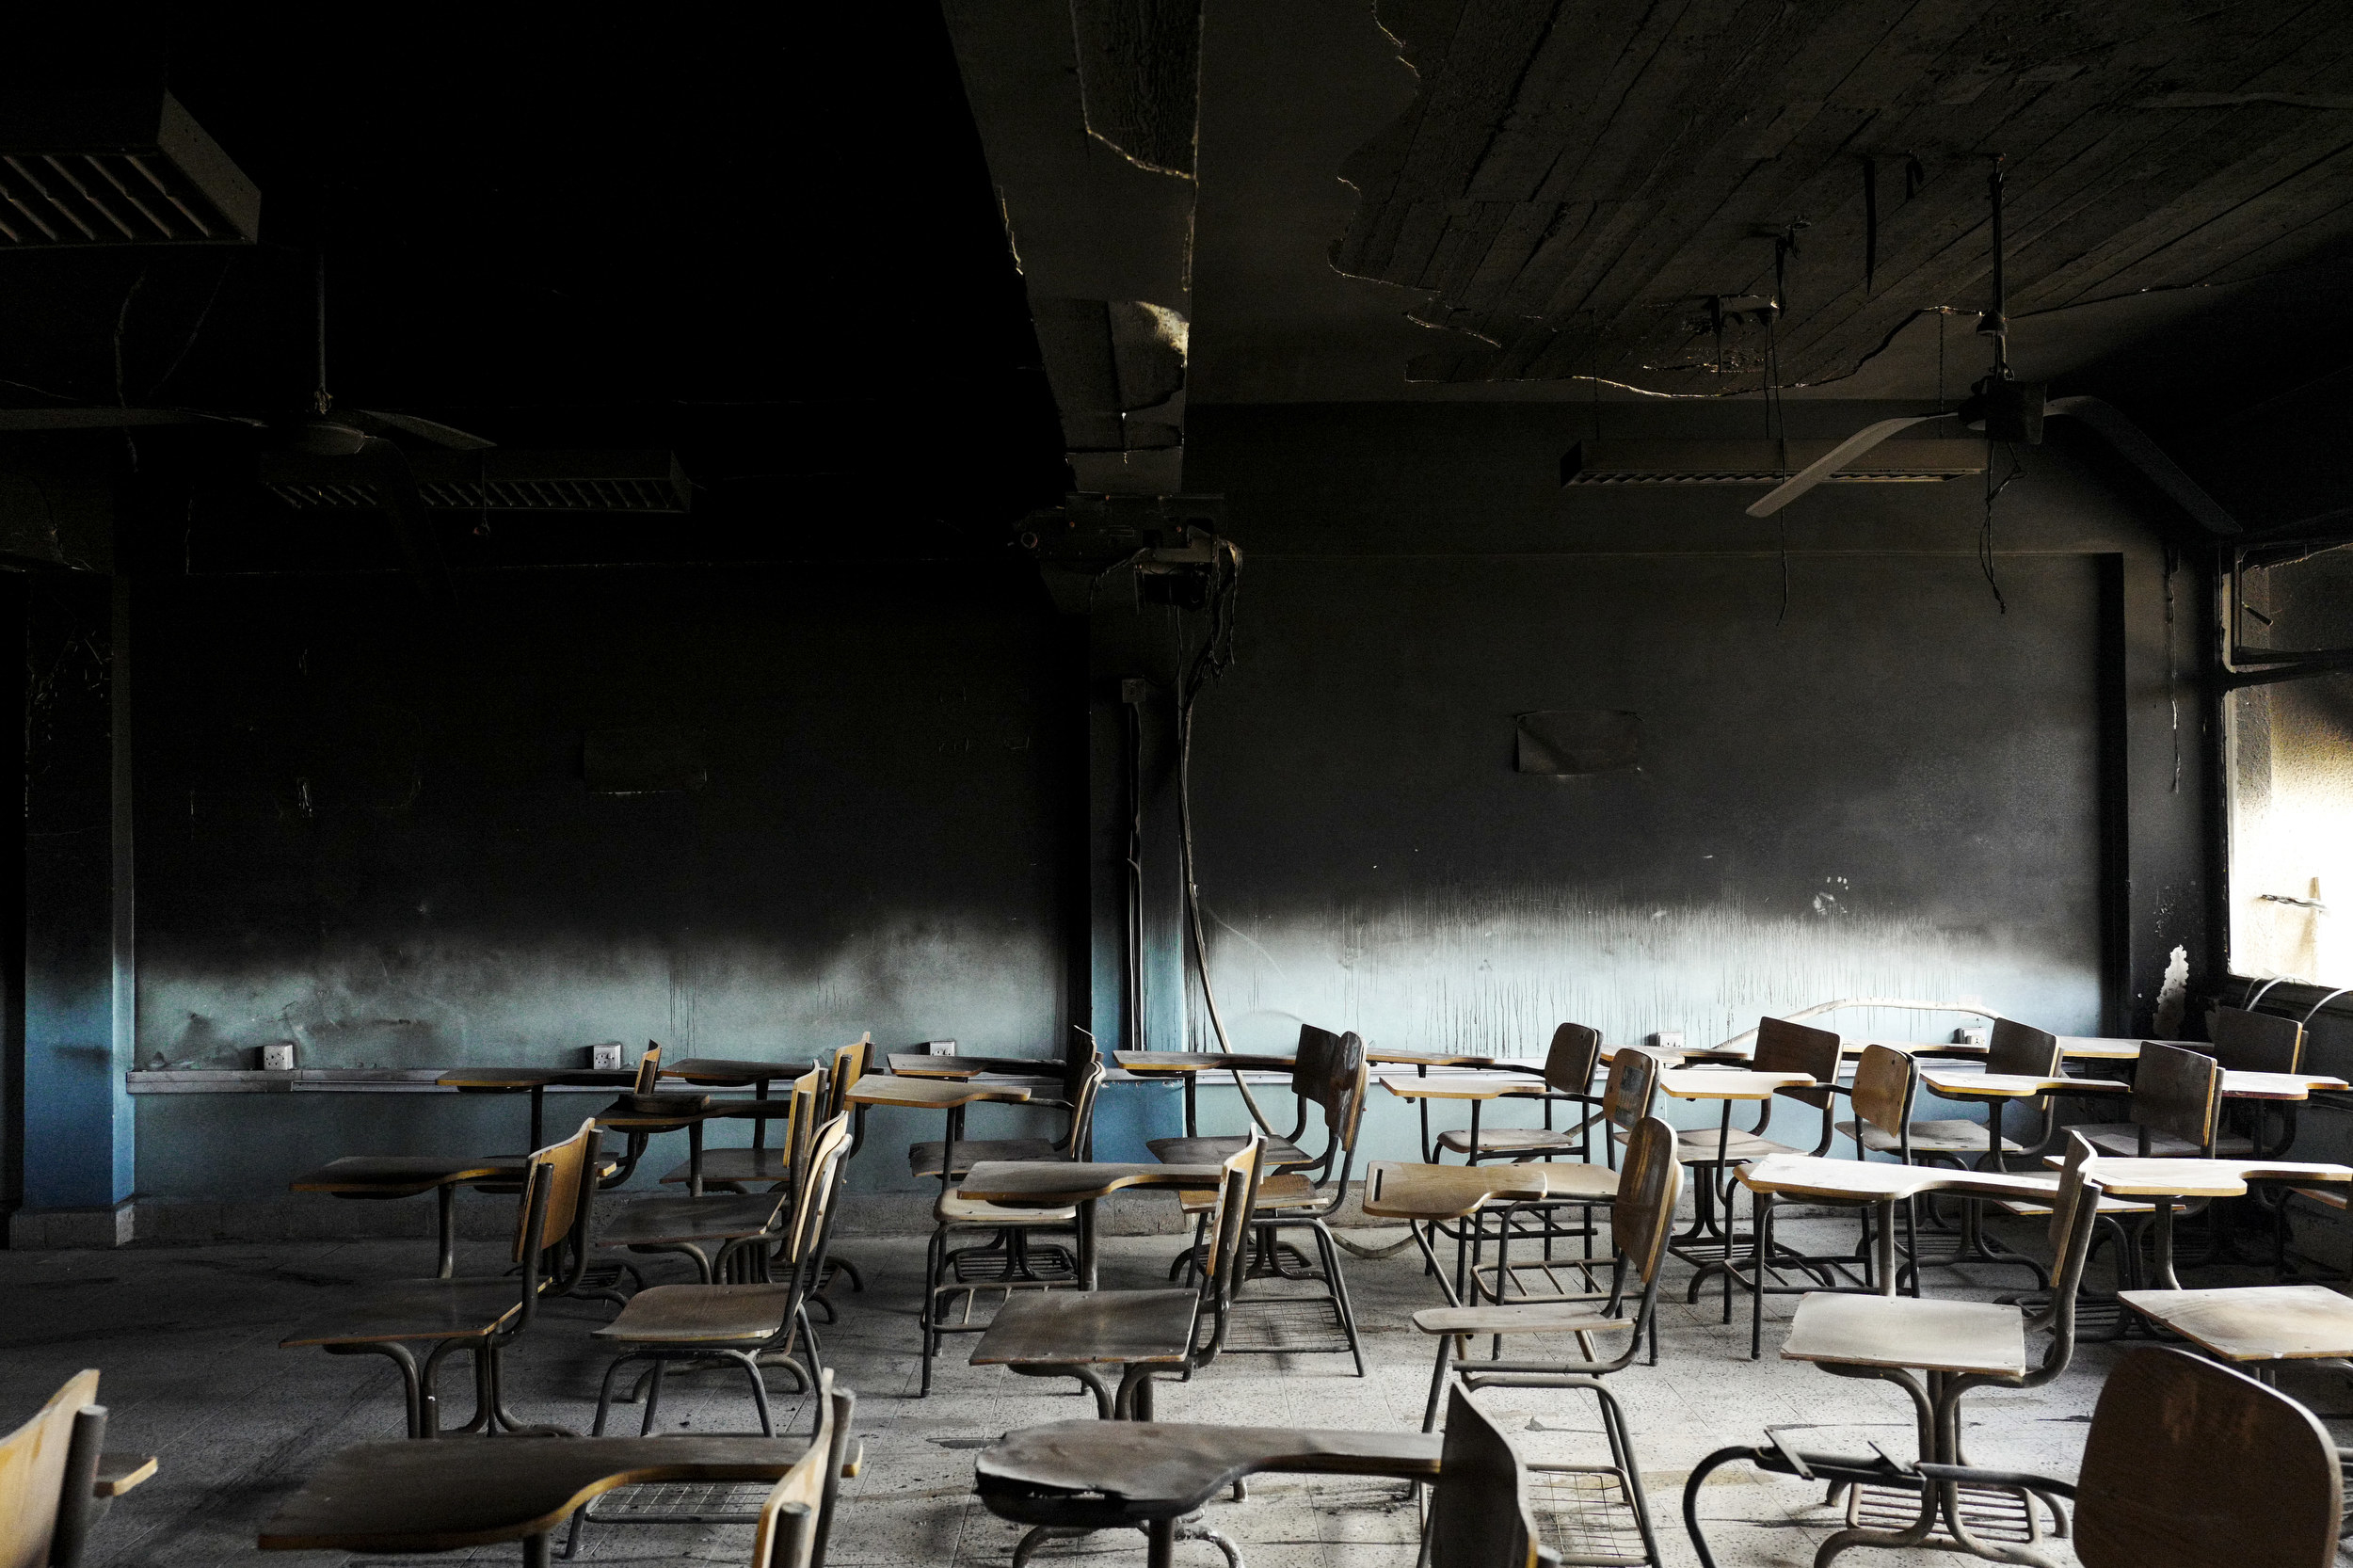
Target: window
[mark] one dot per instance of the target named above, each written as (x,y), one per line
(2288,716)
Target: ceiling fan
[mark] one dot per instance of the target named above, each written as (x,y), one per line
(2002,407)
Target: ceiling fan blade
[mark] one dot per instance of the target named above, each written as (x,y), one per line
(423,430)
(1839,456)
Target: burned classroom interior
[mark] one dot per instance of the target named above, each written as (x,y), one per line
(1317,784)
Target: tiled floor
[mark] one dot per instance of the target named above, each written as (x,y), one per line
(186,1339)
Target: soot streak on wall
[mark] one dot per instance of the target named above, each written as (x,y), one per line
(369,834)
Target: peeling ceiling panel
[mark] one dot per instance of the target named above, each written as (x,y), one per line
(1574,186)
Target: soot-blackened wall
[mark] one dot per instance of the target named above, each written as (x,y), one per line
(366,831)
(1889,787)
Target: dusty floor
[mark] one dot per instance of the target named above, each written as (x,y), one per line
(186,1339)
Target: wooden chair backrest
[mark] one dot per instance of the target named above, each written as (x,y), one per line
(817,1178)
(1229,1220)
(649,1069)
(32,1474)
(559,1181)
(1478,1511)
(2177,1090)
(1569,1065)
(804,1098)
(2022,1051)
(2257,1041)
(1077,1052)
(1326,1065)
(849,1065)
(795,1518)
(1089,1085)
(1633,1086)
(1783,1046)
(2189,1465)
(1885,1084)
(1649,1186)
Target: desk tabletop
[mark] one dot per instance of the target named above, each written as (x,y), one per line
(2276,1086)
(1463,1086)
(918,1065)
(1406,1189)
(511,1078)
(410,1496)
(2105,1048)
(931,1093)
(1441,1058)
(1727,1083)
(1199,1061)
(1053,1183)
(2199,1179)
(730,1070)
(1804,1176)
(1967,1085)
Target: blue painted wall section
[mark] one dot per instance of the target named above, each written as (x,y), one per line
(80,975)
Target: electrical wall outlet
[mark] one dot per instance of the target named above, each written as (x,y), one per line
(277,1059)
(1969,1037)
(1667,1039)
(940,1048)
(605,1059)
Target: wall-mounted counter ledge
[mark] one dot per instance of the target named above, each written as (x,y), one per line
(305,1080)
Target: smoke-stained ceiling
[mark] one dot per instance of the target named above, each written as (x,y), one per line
(1483,199)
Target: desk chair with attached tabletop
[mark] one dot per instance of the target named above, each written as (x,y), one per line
(1073,1478)
(2175,1110)
(734,1170)
(1010,1260)
(1323,1067)
(1885,1083)
(670,1323)
(1641,1220)
(482,1316)
(933,1157)
(1295,1200)
(727,1236)
(1568,1074)
(2013,1051)
(645,1113)
(56,1483)
(411,1498)
(1144,1333)
(2187,1464)
(1936,1351)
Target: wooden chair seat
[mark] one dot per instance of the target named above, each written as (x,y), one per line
(1209,1151)
(1512,1139)
(1921,1332)
(2123,1138)
(1106,1474)
(925,1159)
(742,1165)
(1942,1137)
(412,1310)
(656,1222)
(954,1208)
(691,1314)
(1071,1328)
(2258,1323)
(1698,1147)
(1517,1318)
